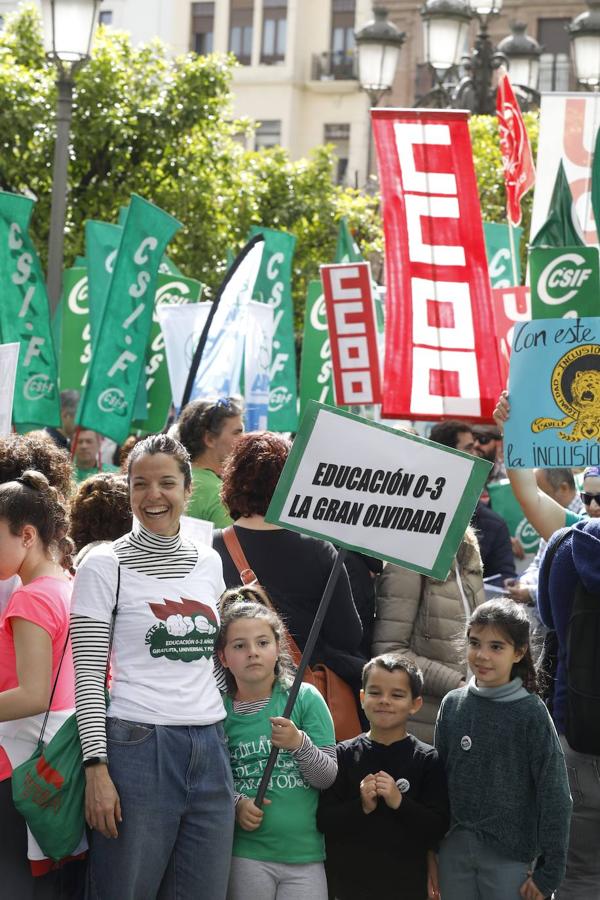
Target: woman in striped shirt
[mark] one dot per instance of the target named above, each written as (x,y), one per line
(159,793)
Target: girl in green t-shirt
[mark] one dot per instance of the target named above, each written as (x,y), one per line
(277,852)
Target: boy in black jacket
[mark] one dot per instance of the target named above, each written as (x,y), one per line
(389,803)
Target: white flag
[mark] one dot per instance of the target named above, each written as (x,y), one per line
(257,364)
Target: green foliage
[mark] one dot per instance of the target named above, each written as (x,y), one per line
(162,127)
(147,123)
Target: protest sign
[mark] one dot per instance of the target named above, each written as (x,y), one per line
(504,502)
(565,282)
(9,356)
(181,327)
(503,256)
(76,336)
(510,305)
(173,290)
(376,490)
(554,387)
(274,286)
(352,333)
(118,355)
(25,316)
(257,365)
(441,354)
(568,129)
(316,381)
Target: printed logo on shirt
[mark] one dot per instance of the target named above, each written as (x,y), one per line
(187,630)
(466,743)
(403,785)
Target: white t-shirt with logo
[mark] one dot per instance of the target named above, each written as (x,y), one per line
(165,634)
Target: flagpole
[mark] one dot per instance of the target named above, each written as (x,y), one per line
(513,256)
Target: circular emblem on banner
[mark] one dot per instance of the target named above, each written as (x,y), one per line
(403,785)
(278,398)
(575,385)
(113,400)
(465,742)
(528,536)
(78,297)
(37,387)
(561,279)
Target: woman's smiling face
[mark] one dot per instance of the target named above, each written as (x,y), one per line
(157,492)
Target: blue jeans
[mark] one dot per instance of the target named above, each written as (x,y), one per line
(582,880)
(470,870)
(176,793)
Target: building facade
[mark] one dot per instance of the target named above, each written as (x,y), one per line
(297,74)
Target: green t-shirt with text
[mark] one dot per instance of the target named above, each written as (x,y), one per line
(288,832)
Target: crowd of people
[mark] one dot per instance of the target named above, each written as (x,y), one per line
(466,744)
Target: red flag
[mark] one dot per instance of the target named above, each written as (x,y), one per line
(519,172)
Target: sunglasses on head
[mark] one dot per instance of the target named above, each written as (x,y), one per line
(220,408)
(586,498)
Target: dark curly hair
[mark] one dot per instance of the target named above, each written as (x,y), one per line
(100,510)
(202,416)
(22,452)
(31,500)
(251,472)
(162,443)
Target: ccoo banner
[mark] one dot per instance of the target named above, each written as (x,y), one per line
(352,333)
(441,354)
(383,492)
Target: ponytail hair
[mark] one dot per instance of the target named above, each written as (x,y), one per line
(511,620)
(31,500)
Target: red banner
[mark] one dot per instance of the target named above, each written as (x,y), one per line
(352,332)
(441,356)
(511,304)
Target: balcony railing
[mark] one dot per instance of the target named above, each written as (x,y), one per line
(334,66)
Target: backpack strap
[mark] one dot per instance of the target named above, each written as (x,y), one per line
(236,553)
(551,551)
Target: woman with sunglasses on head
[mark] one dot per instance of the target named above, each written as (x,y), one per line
(159,790)
(209,429)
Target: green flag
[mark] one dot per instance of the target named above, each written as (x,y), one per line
(25,316)
(118,356)
(76,340)
(101,245)
(504,263)
(347,248)
(561,228)
(274,285)
(173,290)
(316,381)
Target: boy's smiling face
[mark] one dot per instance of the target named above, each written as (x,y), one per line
(388,702)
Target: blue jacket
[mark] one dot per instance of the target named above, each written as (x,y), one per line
(577,557)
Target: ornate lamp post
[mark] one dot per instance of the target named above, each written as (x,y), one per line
(446,25)
(69,27)
(378,44)
(584,33)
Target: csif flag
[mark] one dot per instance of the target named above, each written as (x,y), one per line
(517,160)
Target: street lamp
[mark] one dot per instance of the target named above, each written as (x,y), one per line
(523,54)
(445,26)
(584,33)
(378,45)
(69,27)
